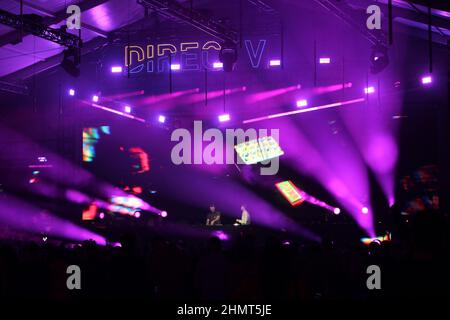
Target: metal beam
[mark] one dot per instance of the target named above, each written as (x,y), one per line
(28,24)
(14,36)
(52,62)
(411,13)
(345,13)
(14,88)
(50,14)
(175,11)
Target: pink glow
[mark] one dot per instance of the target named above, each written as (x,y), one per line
(427,80)
(163,97)
(123,114)
(302,103)
(264,95)
(369,90)
(284,114)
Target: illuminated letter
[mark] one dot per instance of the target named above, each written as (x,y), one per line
(150,51)
(162,48)
(255,57)
(186,58)
(188,45)
(211,45)
(129,50)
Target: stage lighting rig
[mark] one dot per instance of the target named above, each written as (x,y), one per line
(174,11)
(228,56)
(33,24)
(71,61)
(379,59)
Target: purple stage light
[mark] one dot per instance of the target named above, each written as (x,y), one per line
(221,235)
(275,63)
(175,66)
(101,215)
(162,119)
(95,98)
(364,210)
(71,92)
(164,214)
(137,214)
(127,109)
(324,60)
(302,103)
(427,80)
(224,117)
(337,211)
(116,69)
(217,65)
(123,114)
(369,90)
(289,113)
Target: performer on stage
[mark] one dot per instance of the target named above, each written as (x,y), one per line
(245,218)
(213,218)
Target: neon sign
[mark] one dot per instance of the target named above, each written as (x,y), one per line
(192,56)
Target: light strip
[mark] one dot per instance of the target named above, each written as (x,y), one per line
(284,114)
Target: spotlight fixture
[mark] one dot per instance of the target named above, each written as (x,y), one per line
(217,65)
(116,69)
(379,59)
(228,56)
(336,211)
(137,214)
(127,109)
(369,90)
(161,119)
(164,214)
(324,60)
(71,92)
(275,63)
(71,62)
(427,80)
(302,103)
(224,117)
(364,210)
(95,98)
(102,215)
(175,66)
